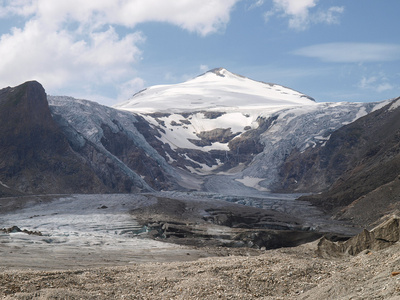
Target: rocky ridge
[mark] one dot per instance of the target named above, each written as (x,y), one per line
(35,156)
(382,236)
(357,168)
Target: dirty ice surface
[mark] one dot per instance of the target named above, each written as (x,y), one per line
(79,231)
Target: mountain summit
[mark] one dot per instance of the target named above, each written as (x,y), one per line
(217,89)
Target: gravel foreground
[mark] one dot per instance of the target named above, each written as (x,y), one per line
(287,273)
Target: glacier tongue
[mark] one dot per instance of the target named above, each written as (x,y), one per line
(297,129)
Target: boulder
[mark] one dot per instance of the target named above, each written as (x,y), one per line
(382,236)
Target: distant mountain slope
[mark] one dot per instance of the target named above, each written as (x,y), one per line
(234,141)
(359,165)
(74,147)
(220,123)
(35,156)
(299,130)
(217,89)
(109,141)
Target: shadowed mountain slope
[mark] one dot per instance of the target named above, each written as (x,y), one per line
(358,160)
(35,156)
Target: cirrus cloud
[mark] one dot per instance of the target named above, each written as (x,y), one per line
(351,52)
(376,82)
(300,15)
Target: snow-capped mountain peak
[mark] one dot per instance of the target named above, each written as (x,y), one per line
(217,89)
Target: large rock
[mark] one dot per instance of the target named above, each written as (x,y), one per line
(382,236)
(35,156)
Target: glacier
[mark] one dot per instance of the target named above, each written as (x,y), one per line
(217,125)
(216,139)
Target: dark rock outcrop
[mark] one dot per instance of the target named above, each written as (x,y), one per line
(382,236)
(6,191)
(15,229)
(109,142)
(35,156)
(368,209)
(134,157)
(221,135)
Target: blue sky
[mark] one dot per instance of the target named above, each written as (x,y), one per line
(332,50)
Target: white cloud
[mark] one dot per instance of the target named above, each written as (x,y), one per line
(127,89)
(295,7)
(16,7)
(172,78)
(73,44)
(204,68)
(255,4)
(384,87)
(330,16)
(57,58)
(351,52)
(367,81)
(300,15)
(378,83)
(203,17)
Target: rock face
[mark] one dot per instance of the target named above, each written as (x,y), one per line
(110,141)
(79,148)
(35,156)
(6,191)
(382,236)
(45,152)
(358,160)
(369,209)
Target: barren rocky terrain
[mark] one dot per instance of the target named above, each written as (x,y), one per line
(287,273)
(78,256)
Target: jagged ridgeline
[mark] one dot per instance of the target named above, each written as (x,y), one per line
(36,155)
(219,132)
